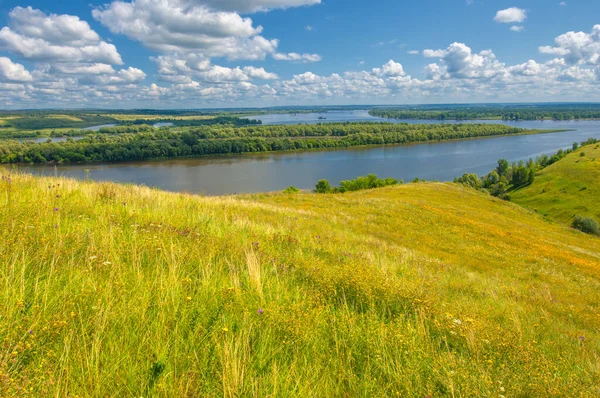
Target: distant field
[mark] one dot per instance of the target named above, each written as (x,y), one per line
(55,121)
(566,189)
(420,290)
(154,117)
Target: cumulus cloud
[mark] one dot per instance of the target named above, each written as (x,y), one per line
(511,15)
(576,47)
(37,36)
(458,61)
(259,73)
(192,68)
(391,68)
(178,26)
(516,28)
(209,28)
(12,72)
(297,57)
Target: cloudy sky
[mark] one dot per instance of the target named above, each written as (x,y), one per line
(239,53)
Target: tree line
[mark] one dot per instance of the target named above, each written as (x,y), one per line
(507,176)
(170,143)
(482,113)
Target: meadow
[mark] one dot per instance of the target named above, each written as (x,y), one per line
(566,189)
(425,289)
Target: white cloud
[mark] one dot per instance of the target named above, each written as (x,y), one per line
(209,28)
(12,72)
(192,68)
(309,28)
(37,36)
(459,62)
(259,73)
(179,26)
(516,28)
(511,15)
(391,68)
(83,69)
(297,57)
(413,52)
(576,47)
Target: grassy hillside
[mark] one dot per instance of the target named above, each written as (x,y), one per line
(417,290)
(568,188)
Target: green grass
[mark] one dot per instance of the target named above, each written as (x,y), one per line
(568,188)
(419,290)
(54,121)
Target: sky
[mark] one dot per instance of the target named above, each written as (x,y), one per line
(261,53)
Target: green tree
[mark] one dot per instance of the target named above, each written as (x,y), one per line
(323,186)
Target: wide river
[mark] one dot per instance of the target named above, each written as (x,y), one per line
(275,171)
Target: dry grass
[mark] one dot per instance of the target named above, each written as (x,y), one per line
(424,289)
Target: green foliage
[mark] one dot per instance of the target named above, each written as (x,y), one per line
(220,120)
(514,113)
(470,180)
(142,142)
(291,189)
(587,225)
(370,181)
(323,186)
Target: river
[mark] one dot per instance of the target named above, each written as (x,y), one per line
(275,171)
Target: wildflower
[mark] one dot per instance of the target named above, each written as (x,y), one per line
(457,322)
(56,209)
(188,298)
(107,263)
(31,332)
(260,311)
(93,257)
(225,330)
(582,338)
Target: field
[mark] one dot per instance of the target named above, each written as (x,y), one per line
(132,117)
(566,189)
(51,121)
(418,290)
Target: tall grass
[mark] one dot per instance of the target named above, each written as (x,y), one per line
(419,290)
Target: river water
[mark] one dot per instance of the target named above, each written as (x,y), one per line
(275,171)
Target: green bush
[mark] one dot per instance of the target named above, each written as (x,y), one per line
(587,225)
(291,190)
(323,186)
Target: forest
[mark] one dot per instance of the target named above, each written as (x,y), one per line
(493,113)
(130,143)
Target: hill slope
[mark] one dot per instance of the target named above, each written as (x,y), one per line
(423,289)
(568,188)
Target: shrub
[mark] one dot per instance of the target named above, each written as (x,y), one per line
(291,190)
(586,224)
(323,186)
(469,180)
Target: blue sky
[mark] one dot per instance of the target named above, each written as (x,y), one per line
(214,53)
